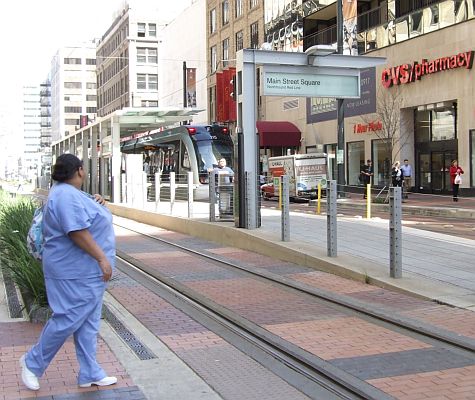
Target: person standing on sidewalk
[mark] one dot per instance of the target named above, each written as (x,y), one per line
(397,178)
(366,174)
(78,255)
(225,177)
(406,175)
(455,179)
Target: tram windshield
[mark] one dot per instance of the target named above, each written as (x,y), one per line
(208,152)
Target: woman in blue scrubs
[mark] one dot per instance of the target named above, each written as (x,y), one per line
(78,257)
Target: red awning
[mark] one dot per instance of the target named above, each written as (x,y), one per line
(278,134)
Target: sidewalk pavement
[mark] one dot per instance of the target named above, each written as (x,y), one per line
(435,266)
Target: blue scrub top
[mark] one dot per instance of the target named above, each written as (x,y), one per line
(69,209)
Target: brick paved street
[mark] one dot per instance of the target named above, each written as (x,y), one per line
(389,360)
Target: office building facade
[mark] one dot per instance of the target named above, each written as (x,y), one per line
(127,62)
(73,89)
(427,80)
(30,161)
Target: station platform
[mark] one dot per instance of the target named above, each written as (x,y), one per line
(436,267)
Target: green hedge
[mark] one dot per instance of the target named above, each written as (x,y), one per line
(15,220)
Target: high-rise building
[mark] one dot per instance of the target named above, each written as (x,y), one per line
(31,131)
(127,62)
(231,26)
(73,88)
(45,138)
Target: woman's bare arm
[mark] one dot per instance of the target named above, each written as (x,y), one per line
(85,241)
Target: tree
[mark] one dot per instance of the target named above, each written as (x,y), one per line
(389,127)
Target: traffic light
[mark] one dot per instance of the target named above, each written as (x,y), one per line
(232,82)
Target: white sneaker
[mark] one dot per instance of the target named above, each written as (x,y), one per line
(29,378)
(108,380)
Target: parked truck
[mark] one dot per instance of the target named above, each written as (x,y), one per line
(305,172)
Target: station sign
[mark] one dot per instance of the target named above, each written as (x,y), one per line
(309,82)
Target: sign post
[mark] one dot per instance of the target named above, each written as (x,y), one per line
(317,72)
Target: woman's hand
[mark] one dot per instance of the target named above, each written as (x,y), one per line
(106,269)
(99,199)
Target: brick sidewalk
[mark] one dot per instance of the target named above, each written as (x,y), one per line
(60,379)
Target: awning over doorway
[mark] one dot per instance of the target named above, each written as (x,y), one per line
(278,134)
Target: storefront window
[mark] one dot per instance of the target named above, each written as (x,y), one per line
(381,162)
(355,161)
(472,157)
(435,125)
(422,128)
(443,124)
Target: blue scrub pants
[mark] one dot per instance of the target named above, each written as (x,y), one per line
(77,308)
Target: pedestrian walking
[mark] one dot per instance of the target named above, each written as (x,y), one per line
(78,257)
(406,169)
(366,174)
(455,172)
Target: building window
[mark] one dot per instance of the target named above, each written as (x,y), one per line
(151,79)
(381,157)
(90,61)
(76,110)
(72,85)
(75,61)
(435,125)
(145,54)
(443,124)
(212,21)
(71,121)
(152,56)
(91,85)
(253,3)
(213,59)
(91,97)
(91,110)
(225,11)
(225,52)
(141,55)
(149,103)
(152,82)
(355,161)
(239,41)
(239,7)
(152,30)
(141,29)
(255,35)
(141,81)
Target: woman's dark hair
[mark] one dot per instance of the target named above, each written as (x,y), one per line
(65,167)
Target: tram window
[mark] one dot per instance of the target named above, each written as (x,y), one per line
(186,160)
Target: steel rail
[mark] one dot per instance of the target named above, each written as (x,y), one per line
(412,325)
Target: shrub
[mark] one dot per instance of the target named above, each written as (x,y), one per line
(15,220)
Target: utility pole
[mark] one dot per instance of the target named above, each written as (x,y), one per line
(340,112)
(185,102)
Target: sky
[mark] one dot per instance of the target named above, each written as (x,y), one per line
(31,31)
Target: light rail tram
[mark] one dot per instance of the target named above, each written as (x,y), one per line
(182,149)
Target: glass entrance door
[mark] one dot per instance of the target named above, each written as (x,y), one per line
(434,169)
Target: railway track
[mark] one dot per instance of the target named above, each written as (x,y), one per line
(305,370)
